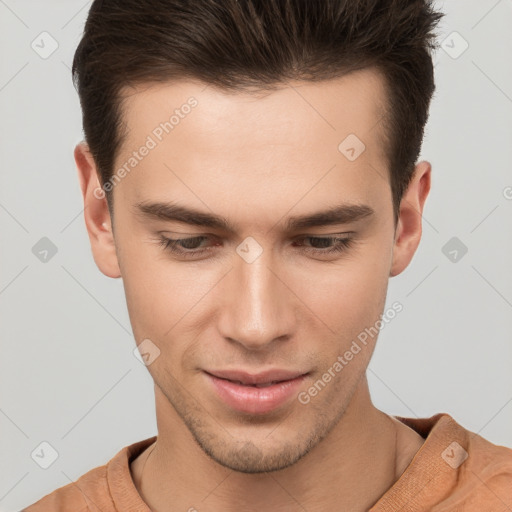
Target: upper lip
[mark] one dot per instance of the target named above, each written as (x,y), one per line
(259,378)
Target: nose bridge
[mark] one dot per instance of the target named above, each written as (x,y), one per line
(256,310)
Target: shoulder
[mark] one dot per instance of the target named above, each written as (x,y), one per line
(487,471)
(106,488)
(482,470)
(78,496)
(474,453)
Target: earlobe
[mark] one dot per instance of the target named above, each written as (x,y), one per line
(96,213)
(409,226)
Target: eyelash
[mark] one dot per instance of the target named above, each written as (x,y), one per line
(172,246)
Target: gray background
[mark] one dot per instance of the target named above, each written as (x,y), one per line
(68,375)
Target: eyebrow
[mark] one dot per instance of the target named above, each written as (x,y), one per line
(173,212)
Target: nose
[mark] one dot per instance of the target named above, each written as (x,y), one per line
(258,308)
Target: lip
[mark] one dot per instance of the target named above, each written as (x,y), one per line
(255,400)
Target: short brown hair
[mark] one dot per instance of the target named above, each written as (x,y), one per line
(242,44)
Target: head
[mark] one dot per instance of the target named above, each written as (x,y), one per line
(239,120)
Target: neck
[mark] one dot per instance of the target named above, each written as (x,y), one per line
(354,465)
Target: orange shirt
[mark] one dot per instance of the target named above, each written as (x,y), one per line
(454,470)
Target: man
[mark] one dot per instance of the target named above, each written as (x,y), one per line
(250,171)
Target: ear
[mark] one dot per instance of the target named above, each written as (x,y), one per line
(96,213)
(408,230)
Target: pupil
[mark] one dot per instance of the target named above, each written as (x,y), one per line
(190,243)
(323,242)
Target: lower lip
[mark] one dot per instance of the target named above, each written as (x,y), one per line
(255,400)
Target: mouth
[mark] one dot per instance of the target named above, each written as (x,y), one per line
(255,394)
(264,385)
(261,379)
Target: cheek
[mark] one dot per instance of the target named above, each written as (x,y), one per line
(348,294)
(162,296)
(349,299)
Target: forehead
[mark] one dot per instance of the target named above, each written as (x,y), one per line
(354,102)
(281,140)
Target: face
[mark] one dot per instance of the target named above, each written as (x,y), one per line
(255,282)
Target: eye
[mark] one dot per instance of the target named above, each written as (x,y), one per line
(327,244)
(183,246)
(191,247)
